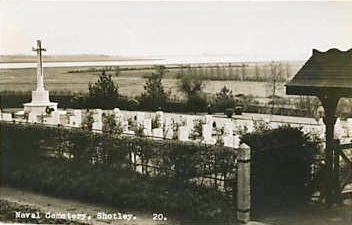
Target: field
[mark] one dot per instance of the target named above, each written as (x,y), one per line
(131,81)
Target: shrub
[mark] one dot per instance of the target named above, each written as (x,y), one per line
(110,125)
(88,120)
(197,103)
(154,96)
(224,99)
(103,93)
(281,165)
(229,112)
(192,87)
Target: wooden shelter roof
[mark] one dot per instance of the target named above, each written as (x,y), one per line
(325,72)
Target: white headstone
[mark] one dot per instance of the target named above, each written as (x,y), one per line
(76,119)
(250,126)
(158,133)
(349,127)
(183,133)
(124,125)
(189,122)
(117,111)
(207,134)
(168,128)
(140,116)
(6,116)
(98,120)
(52,119)
(206,131)
(228,141)
(32,117)
(159,118)
(274,125)
(147,127)
(228,128)
(118,114)
(236,141)
(208,119)
(321,130)
(338,131)
(78,115)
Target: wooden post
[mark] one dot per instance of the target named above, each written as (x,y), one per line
(243,183)
(329,102)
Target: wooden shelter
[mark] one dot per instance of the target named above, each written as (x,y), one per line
(327,75)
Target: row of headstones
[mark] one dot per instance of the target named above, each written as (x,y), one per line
(166,130)
(165,127)
(341,130)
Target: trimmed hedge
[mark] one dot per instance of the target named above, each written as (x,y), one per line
(95,167)
(181,160)
(280,166)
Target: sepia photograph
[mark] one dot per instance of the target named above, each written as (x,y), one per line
(175,112)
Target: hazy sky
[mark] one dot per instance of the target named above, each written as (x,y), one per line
(268,30)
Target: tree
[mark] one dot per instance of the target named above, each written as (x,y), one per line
(224,72)
(257,72)
(192,87)
(103,93)
(243,71)
(117,71)
(275,76)
(218,72)
(154,94)
(288,70)
(237,73)
(231,71)
(224,99)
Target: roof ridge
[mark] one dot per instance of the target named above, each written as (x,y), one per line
(331,50)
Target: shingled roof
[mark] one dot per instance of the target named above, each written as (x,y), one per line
(325,72)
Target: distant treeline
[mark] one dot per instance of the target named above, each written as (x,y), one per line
(277,71)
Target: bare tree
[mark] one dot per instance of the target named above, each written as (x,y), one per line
(257,72)
(288,70)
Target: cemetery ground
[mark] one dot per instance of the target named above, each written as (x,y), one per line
(271,215)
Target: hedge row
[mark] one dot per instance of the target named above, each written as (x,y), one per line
(95,167)
(80,101)
(180,160)
(281,166)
